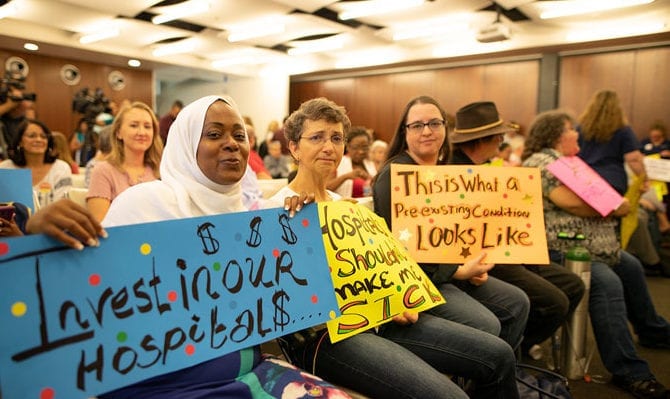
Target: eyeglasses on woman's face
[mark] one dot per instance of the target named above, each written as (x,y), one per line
(417,127)
(321,138)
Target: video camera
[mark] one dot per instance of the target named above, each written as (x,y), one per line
(12,81)
(90,105)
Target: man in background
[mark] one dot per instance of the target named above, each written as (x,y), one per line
(166,120)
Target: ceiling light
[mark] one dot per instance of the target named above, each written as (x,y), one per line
(31,46)
(251,31)
(9,9)
(611,31)
(557,9)
(182,46)
(185,9)
(359,9)
(134,63)
(98,36)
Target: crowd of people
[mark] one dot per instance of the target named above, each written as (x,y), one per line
(207,161)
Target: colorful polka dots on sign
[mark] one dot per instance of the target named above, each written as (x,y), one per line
(94,279)
(47,393)
(145,249)
(19,309)
(4,248)
(172,296)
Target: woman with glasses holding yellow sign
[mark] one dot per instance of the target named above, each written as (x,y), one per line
(380,363)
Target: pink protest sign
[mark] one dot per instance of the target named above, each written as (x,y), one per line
(586,183)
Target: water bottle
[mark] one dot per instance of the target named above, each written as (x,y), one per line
(367,189)
(573,351)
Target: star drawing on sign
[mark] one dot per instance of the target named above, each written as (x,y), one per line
(528,198)
(465,252)
(404,235)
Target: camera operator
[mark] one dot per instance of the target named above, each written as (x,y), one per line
(14,110)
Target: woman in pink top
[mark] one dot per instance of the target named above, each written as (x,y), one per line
(135,157)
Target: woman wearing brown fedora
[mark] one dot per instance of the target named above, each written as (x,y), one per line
(554,292)
(481,309)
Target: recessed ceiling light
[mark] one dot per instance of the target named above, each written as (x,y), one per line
(374,7)
(134,63)
(31,46)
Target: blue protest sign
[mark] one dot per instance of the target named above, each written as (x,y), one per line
(155,298)
(16,186)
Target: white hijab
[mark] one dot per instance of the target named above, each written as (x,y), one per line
(184,190)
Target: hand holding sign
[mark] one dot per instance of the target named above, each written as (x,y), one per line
(375,280)
(84,322)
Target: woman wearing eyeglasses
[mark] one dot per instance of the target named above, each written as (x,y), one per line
(353,176)
(492,313)
(52,178)
(408,357)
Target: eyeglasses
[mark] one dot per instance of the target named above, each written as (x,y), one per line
(321,139)
(417,127)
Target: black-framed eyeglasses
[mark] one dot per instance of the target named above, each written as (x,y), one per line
(417,127)
(322,138)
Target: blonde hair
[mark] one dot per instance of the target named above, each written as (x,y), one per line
(602,116)
(152,156)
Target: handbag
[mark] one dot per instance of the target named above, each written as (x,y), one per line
(538,383)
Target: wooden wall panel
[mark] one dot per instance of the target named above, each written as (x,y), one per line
(460,86)
(640,77)
(651,98)
(514,88)
(583,75)
(377,101)
(54,98)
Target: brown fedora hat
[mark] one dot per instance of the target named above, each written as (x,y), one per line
(478,120)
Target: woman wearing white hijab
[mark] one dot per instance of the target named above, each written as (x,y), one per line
(202,165)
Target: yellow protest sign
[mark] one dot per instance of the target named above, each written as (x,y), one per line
(450,213)
(373,276)
(629,222)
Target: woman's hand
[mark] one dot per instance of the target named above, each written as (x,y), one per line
(406,318)
(295,203)
(474,270)
(9,228)
(623,209)
(479,279)
(359,174)
(68,222)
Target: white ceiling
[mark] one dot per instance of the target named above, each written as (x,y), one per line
(56,25)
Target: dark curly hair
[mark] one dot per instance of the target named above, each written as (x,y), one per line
(545,131)
(18,156)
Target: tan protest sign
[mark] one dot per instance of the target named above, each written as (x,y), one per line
(373,276)
(451,213)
